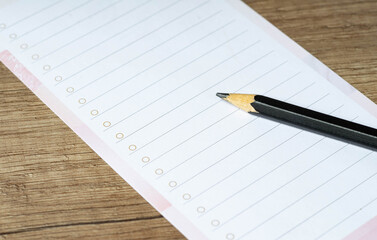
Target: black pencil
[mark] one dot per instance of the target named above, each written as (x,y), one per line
(304,118)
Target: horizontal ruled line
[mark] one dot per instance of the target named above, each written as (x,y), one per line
(279,188)
(72,25)
(238,170)
(213,144)
(261,76)
(284,185)
(204,129)
(191,98)
(180,68)
(33,14)
(55,18)
(345,219)
(332,202)
(264,74)
(126,46)
(189,179)
(239,191)
(222,159)
(94,30)
(258,179)
(218,121)
(107,39)
(159,62)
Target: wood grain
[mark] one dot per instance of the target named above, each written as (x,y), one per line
(53,186)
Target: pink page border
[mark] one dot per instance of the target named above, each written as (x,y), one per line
(101,148)
(368,231)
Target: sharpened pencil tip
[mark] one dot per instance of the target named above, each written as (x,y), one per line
(222,95)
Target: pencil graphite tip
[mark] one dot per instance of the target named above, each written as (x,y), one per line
(222,95)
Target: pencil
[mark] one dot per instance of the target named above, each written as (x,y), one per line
(305,118)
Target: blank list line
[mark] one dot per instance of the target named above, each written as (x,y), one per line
(124,47)
(345,219)
(72,25)
(222,159)
(33,14)
(196,134)
(94,30)
(239,169)
(107,39)
(273,170)
(204,149)
(185,83)
(329,204)
(262,75)
(225,156)
(55,18)
(248,65)
(282,186)
(182,105)
(191,98)
(155,64)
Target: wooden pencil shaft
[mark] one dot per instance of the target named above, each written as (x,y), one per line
(317,121)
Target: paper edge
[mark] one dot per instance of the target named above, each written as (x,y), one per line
(305,56)
(135,180)
(368,230)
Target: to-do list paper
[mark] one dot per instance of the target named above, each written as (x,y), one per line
(136,80)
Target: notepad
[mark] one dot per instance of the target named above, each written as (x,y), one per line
(136,80)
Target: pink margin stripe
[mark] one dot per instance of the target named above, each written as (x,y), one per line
(101,148)
(368,231)
(19,70)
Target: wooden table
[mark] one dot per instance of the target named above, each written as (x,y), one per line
(52,185)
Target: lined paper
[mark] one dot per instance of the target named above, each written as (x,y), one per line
(142,75)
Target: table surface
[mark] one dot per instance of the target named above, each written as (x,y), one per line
(52,185)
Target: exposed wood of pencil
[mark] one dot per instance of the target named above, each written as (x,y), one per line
(306,118)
